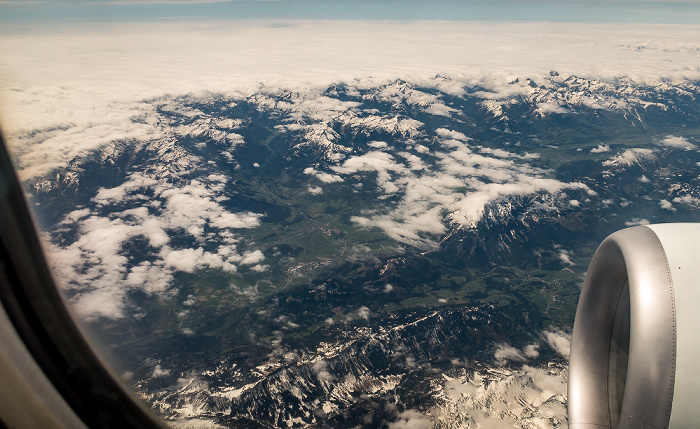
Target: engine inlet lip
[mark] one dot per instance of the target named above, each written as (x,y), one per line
(634,256)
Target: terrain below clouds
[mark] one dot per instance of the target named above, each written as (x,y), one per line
(377,255)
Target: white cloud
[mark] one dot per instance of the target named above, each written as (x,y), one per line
(189,260)
(422,149)
(506,353)
(440,109)
(151,278)
(363,313)
(666,205)
(601,148)
(531,351)
(137,181)
(315,190)
(251,258)
(104,301)
(378,145)
(444,133)
(259,268)
(380,162)
(631,156)
(547,108)
(637,221)
(687,199)
(677,142)
(249,292)
(565,257)
(412,419)
(322,176)
(158,371)
(560,341)
(320,367)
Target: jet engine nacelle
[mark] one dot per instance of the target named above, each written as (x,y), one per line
(635,350)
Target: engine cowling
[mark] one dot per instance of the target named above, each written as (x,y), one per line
(635,350)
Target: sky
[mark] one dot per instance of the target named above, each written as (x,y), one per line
(79,11)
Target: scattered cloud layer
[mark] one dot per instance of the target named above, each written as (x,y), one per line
(557,339)
(454,183)
(99,266)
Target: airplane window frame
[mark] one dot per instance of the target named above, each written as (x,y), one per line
(38,314)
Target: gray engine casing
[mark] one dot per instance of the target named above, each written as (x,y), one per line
(635,352)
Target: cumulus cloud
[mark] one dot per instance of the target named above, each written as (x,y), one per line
(252,258)
(259,268)
(544,109)
(565,257)
(411,419)
(687,199)
(378,145)
(601,148)
(560,341)
(315,190)
(380,162)
(677,142)
(323,177)
(637,221)
(506,353)
(447,134)
(666,205)
(158,371)
(188,260)
(250,292)
(631,156)
(531,351)
(557,339)
(363,313)
(320,367)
